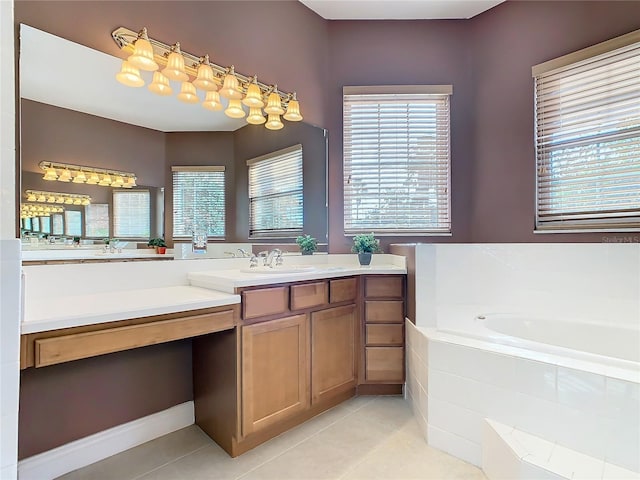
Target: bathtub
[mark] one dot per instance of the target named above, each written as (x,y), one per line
(573,384)
(615,345)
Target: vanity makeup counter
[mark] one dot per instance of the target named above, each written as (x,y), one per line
(319,328)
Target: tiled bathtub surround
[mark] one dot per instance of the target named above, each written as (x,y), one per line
(456,381)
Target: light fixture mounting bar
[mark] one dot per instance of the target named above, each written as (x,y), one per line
(124,38)
(79,168)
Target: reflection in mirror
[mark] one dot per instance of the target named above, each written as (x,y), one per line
(91,120)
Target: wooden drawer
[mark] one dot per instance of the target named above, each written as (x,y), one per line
(384,334)
(343,290)
(309,295)
(384,286)
(264,301)
(384,311)
(384,364)
(50,351)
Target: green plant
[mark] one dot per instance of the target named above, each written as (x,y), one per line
(366,243)
(307,243)
(157,242)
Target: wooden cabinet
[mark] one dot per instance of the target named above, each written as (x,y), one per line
(262,302)
(309,295)
(343,290)
(333,351)
(275,372)
(384,329)
(46,348)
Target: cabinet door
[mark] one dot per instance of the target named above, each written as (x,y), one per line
(333,351)
(275,371)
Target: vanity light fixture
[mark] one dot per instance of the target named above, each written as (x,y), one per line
(30,210)
(216,81)
(56,197)
(64,172)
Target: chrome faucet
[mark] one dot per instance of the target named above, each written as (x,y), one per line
(277,253)
(243,253)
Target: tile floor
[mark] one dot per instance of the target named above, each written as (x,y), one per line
(363,438)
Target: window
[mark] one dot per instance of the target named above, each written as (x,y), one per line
(587,107)
(57,224)
(131,214)
(35,224)
(45,224)
(275,194)
(73,223)
(397,160)
(198,201)
(97,220)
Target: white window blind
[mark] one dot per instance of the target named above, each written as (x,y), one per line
(198,201)
(35,224)
(275,194)
(57,224)
(397,160)
(96,219)
(45,224)
(73,223)
(587,108)
(131,214)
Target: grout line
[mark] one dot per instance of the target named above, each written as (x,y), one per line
(349,413)
(169,462)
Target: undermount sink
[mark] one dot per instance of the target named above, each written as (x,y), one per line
(279,269)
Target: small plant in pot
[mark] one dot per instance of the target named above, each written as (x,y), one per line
(307,244)
(364,245)
(159,244)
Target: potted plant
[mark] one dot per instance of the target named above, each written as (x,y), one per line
(307,244)
(364,245)
(159,244)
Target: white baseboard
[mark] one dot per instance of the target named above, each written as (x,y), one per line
(85,451)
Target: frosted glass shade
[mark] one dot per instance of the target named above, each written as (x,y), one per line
(255,116)
(85,201)
(188,93)
(293,111)
(93,179)
(105,181)
(160,85)
(274,105)
(274,122)
(253,98)
(142,56)
(80,177)
(118,181)
(205,79)
(50,174)
(131,182)
(212,102)
(129,75)
(235,110)
(59,199)
(68,201)
(31,197)
(230,88)
(175,66)
(51,199)
(65,176)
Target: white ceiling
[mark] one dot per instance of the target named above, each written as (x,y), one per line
(398,9)
(68,75)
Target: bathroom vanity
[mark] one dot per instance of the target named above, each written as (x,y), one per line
(268,351)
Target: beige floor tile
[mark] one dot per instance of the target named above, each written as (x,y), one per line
(144,458)
(365,438)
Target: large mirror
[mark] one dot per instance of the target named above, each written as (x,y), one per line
(73,111)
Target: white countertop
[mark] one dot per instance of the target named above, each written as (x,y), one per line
(229,280)
(71,253)
(70,311)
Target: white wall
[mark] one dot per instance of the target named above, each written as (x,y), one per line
(9,253)
(586,282)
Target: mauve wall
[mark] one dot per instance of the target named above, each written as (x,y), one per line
(506,42)
(201,148)
(282,41)
(251,141)
(403,53)
(488,60)
(60,135)
(62,403)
